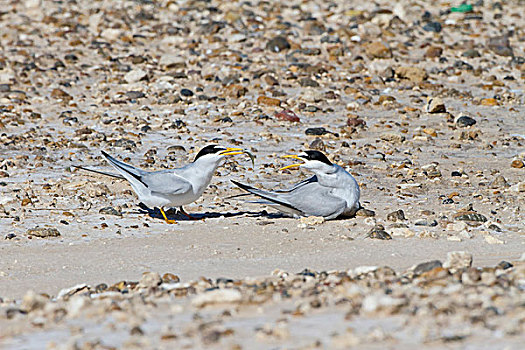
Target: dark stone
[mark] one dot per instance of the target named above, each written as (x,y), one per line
(178,124)
(179,75)
(500,45)
(355,122)
(278,44)
(5,88)
(70,120)
(455,173)
(471,53)
(223,280)
(311,52)
(398,215)
(378,232)
(432,27)
(71,57)
(186,92)
(311,109)
(365,213)
(59,64)
(176,148)
(470,216)
(448,201)
(424,222)
(136,331)
(226,120)
(504,265)
(307,272)
(169,99)
(110,211)
(317,144)
(212,27)
(465,121)
(494,227)
(124,143)
(316,131)
(427,266)
(43,232)
(462,65)
(331,39)
(305,82)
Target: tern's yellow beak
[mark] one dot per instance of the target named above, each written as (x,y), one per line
(292,165)
(232,151)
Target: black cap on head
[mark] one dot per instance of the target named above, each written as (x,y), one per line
(210,149)
(316,155)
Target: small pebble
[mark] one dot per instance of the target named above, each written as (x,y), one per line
(186,92)
(278,44)
(465,121)
(398,215)
(436,105)
(110,211)
(43,232)
(378,232)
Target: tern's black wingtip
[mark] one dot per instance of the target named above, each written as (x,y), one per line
(104,153)
(243,186)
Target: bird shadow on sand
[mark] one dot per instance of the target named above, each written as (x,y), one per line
(174,214)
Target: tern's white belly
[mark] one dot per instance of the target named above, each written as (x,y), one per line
(157,199)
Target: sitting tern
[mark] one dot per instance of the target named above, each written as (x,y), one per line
(332,192)
(172,187)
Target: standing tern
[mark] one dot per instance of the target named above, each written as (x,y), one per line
(172,187)
(332,192)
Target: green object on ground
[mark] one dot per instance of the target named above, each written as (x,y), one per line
(462,8)
(252,157)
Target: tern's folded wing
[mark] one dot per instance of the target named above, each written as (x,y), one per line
(315,199)
(310,198)
(166,182)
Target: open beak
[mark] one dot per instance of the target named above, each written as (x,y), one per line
(295,165)
(232,151)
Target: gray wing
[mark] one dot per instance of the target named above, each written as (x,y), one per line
(314,199)
(299,184)
(305,198)
(166,182)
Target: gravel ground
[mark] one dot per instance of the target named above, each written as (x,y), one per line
(421,101)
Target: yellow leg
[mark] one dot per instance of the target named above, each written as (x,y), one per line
(168,221)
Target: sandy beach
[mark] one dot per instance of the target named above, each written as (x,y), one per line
(421,102)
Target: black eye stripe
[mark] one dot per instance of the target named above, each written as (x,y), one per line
(210,149)
(316,155)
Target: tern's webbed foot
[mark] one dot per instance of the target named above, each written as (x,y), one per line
(168,221)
